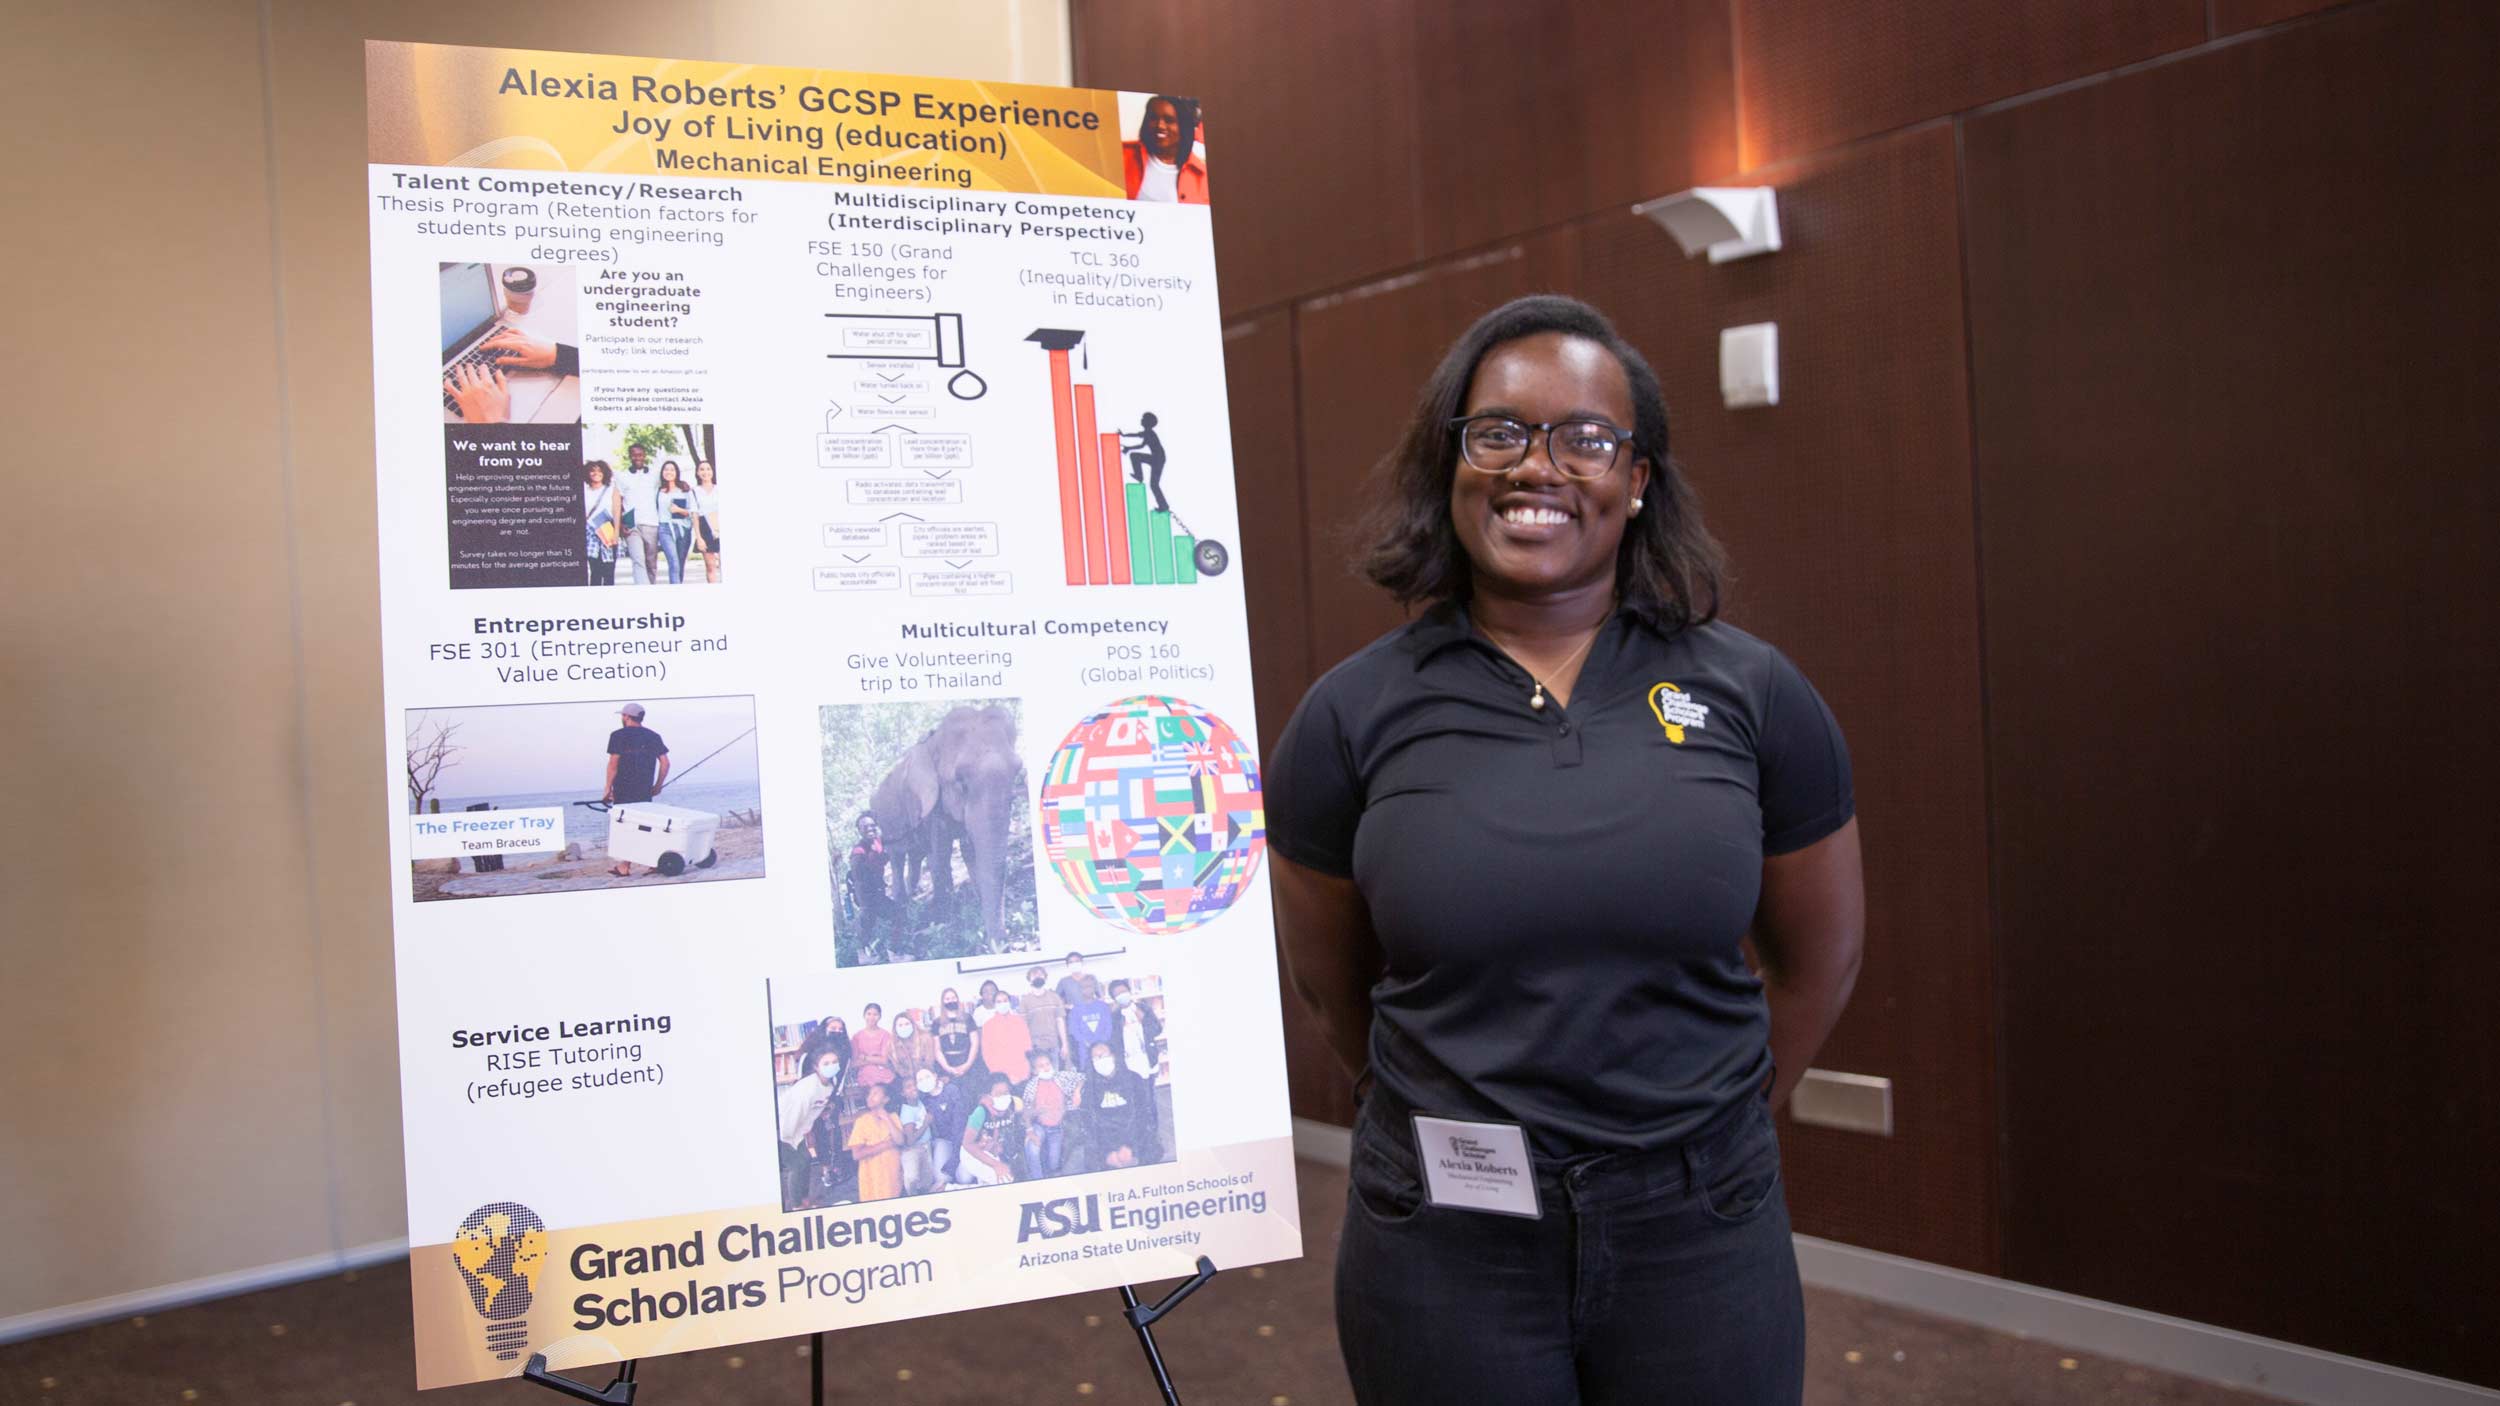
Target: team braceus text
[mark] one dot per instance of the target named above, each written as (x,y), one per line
(616,1305)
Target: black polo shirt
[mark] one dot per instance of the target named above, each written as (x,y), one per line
(1561,894)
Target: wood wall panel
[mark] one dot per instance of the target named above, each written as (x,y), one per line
(1310,127)
(1267,475)
(2233,329)
(1814,75)
(1847,511)
(1267,483)
(2235,16)
(1531,114)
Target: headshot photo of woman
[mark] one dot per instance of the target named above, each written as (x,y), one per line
(602,520)
(676,519)
(1164,162)
(707,518)
(1520,845)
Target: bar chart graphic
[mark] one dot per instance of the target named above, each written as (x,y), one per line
(1111,531)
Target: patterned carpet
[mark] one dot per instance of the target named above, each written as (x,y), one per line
(1260,1337)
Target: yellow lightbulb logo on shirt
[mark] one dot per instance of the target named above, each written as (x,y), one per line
(1658,707)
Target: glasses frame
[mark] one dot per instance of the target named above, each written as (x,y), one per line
(1624,439)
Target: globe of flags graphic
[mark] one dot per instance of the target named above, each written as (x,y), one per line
(1151,814)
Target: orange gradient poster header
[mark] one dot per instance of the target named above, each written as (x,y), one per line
(535,110)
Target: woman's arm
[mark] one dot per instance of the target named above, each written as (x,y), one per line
(1332,953)
(1809,932)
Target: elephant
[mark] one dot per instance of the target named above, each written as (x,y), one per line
(962,783)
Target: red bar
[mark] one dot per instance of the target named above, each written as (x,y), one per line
(1115,508)
(1089,474)
(1071,529)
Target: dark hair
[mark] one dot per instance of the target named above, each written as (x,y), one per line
(1184,112)
(1669,571)
(600,467)
(669,470)
(700,465)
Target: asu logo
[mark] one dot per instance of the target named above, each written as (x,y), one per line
(1676,711)
(1069,1215)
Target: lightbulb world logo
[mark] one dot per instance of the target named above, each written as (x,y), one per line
(500,1247)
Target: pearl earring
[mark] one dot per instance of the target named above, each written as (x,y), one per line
(1636,507)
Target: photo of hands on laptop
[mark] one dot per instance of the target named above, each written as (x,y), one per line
(510,345)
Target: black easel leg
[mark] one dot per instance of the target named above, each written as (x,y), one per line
(816,1369)
(619,1392)
(1146,1339)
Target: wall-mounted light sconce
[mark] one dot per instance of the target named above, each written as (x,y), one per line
(1732,222)
(1749,365)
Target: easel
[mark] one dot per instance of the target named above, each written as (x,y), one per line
(1141,1316)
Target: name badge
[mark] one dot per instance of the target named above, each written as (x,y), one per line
(1476,1166)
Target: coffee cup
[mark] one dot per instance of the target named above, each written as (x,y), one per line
(520,285)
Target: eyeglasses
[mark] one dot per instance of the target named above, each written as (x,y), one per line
(1582,449)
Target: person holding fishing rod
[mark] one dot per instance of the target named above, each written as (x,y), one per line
(637,767)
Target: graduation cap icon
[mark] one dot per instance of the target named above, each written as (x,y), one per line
(1060,339)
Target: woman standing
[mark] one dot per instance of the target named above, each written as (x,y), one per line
(958,1039)
(1521,841)
(915,1048)
(876,1147)
(603,517)
(872,1049)
(707,518)
(676,519)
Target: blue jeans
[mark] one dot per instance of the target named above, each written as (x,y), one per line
(1660,1276)
(674,540)
(1045,1150)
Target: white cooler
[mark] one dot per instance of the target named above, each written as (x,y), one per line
(667,838)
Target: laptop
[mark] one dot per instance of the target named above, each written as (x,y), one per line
(472,306)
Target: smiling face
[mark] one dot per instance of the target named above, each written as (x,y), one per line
(1535,531)
(1163,129)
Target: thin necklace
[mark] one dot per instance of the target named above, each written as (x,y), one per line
(1536,699)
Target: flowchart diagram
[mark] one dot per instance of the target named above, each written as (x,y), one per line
(886,434)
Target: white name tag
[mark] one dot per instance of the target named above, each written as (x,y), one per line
(1476,1166)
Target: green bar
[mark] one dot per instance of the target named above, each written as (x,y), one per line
(1184,563)
(1140,556)
(1159,537)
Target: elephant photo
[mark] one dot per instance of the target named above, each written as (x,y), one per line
(928,810)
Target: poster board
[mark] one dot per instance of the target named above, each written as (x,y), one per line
(917,506)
